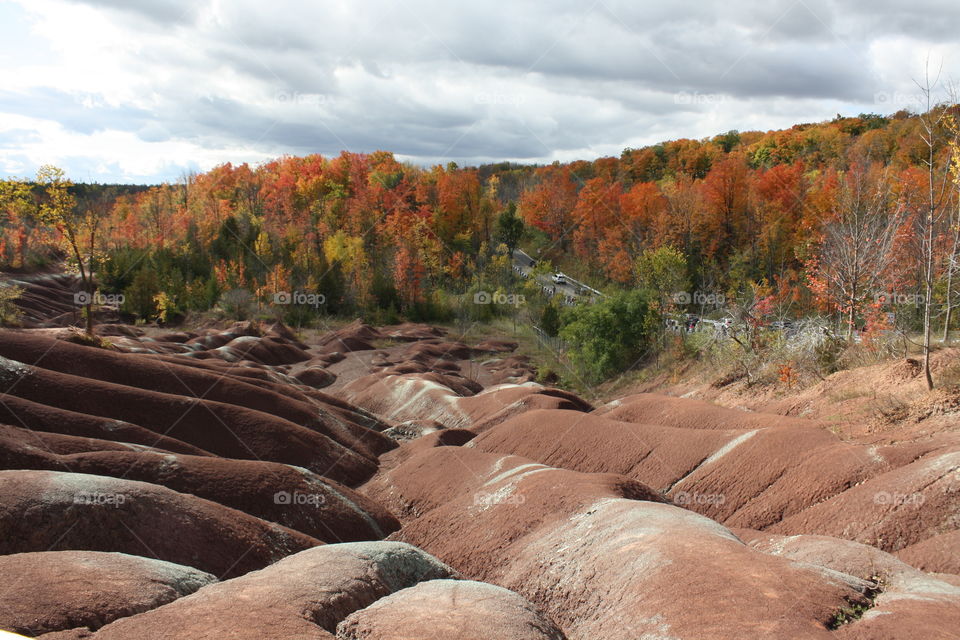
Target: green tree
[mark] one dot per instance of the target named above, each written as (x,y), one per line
(510,227)
(613,335)
(662,273)
(78,227)
(550,320)
(139,298)
(17,209)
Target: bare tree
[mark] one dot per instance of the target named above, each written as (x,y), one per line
(932,123)
(952,259)
(856,246)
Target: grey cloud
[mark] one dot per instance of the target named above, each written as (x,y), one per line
(160,11)
(926,20)
(70,111)
(482,81)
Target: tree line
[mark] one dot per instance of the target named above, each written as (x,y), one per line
(857,218)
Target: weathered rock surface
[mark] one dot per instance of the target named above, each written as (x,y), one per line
(63,590)
(303,596)
(235,453)
(603,560)
(291,496)
(53,511)
(451,610)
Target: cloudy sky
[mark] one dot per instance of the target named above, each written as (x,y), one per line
(142,90)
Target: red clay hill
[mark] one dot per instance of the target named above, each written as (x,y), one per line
(396,483)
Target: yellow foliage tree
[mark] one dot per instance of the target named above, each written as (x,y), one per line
(348,251)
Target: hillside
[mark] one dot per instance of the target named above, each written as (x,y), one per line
(759,221)
(244,481)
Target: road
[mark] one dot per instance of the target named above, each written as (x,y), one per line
(570,291)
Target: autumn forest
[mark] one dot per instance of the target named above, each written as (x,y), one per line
(855,220)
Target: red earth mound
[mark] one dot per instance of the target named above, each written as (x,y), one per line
(224,429)
(652,408)
(172,376)
(47,298)
(356,336)
(434,352)
(268,350)
(40,418)
(938,554)
(436,438)
(291,496)
(903,507)
(412,390)
(512,370)
(501,402)
(61,590)
(316,377)
(453,610)
(18,444)
(243,343)
(658,456)
(282,331)
(791,469)
(423,481)
(602,561)
(303,596)
(240,451)
(53,511)
(903,602)
(411,332)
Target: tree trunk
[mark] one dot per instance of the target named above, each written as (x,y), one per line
(927,304)
(951,265)
(926,337)
(88,310)
(928,276)
(947,316)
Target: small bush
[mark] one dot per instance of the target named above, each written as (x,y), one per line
(611,336)
(237,304)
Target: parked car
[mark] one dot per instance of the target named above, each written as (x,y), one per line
(559,278)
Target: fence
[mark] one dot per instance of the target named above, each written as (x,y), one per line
(557,345)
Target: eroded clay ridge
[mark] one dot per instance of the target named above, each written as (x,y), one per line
(398,483)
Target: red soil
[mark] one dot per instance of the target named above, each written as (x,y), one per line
(216,454)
